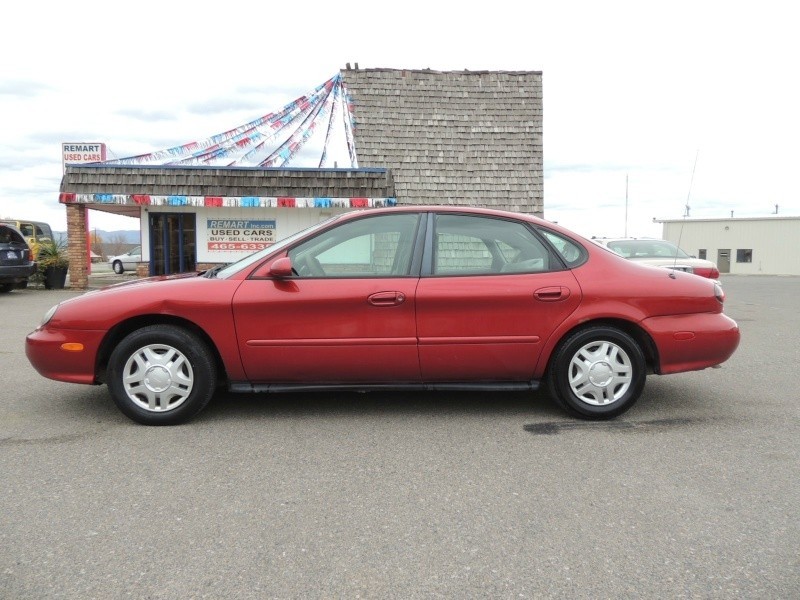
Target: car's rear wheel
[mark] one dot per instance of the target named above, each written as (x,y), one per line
(597,373)
(6,287)
(118,267)
(161,375)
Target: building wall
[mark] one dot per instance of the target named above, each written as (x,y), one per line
(137,191)
(287,221)
(453,137)
(469,138)
(771,242)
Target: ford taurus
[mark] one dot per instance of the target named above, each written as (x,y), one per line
(409,298)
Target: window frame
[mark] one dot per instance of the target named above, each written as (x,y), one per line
(555,259)
(415,240)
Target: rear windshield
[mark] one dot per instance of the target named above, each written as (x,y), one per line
(646,249)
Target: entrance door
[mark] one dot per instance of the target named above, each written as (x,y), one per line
(173,243)
(724,260)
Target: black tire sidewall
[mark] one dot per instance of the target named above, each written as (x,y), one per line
(191,346)
(558,377)
(118,268)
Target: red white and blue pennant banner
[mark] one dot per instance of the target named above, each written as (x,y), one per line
(257,143)
(226,201)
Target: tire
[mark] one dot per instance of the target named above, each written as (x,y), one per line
(118,267)
(161,375)
(6,287)
(597,373)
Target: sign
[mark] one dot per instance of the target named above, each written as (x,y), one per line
(82,152)
(239,234)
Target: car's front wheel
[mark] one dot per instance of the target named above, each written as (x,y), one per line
(597,373)
(161,375)
(118,267)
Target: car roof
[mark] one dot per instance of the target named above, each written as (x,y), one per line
(8,225)
(470,210)
(629,239)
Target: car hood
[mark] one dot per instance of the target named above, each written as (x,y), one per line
(171,294)
(151,280)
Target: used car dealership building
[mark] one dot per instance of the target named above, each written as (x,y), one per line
(420,137)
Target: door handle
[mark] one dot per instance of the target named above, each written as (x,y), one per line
(387,298)
(551,294)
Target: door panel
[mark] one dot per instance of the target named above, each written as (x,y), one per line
(489,327)
(327,330)
(348,316)
(493,295)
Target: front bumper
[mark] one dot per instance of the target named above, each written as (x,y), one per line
(45,350)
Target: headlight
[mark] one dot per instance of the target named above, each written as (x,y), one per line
(48,315)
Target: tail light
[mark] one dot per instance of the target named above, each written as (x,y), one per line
(709,272)
(719,293)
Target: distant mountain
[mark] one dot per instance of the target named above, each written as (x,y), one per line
(121,236)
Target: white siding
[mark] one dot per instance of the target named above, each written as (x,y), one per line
(287,222)
(775,242)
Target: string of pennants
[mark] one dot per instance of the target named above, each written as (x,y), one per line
(256,143)
(226,201)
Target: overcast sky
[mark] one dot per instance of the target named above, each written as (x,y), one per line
(643,90)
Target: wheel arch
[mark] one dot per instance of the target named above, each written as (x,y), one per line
(642,338)
(117,333)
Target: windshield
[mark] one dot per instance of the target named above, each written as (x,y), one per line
(229,270)
(646,249)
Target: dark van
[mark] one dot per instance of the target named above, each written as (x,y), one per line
(16,264)
(34,232)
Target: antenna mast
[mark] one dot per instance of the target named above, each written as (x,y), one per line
(691,183)
(626,205)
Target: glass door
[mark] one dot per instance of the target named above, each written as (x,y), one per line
(173,243)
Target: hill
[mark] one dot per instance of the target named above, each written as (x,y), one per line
(120,236)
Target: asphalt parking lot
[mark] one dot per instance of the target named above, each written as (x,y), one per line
(692,494)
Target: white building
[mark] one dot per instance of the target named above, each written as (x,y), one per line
(747,246)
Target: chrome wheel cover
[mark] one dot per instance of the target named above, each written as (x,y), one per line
(600,373)
(158,378)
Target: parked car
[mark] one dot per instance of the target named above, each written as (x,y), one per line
(411,298)
(660,253)
(16,264)
(127,261)
(35,233)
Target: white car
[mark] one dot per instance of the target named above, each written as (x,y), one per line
(660,253)
(127,261)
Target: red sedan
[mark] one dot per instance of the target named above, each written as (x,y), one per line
(407,298)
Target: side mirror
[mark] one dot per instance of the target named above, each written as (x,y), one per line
(281,268)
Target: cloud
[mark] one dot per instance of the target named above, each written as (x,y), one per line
(147,116)
(21,88)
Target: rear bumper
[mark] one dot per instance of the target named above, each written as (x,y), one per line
(16,273)
(692,342)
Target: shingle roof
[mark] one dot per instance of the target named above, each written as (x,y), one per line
(453,137)
(227,181)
